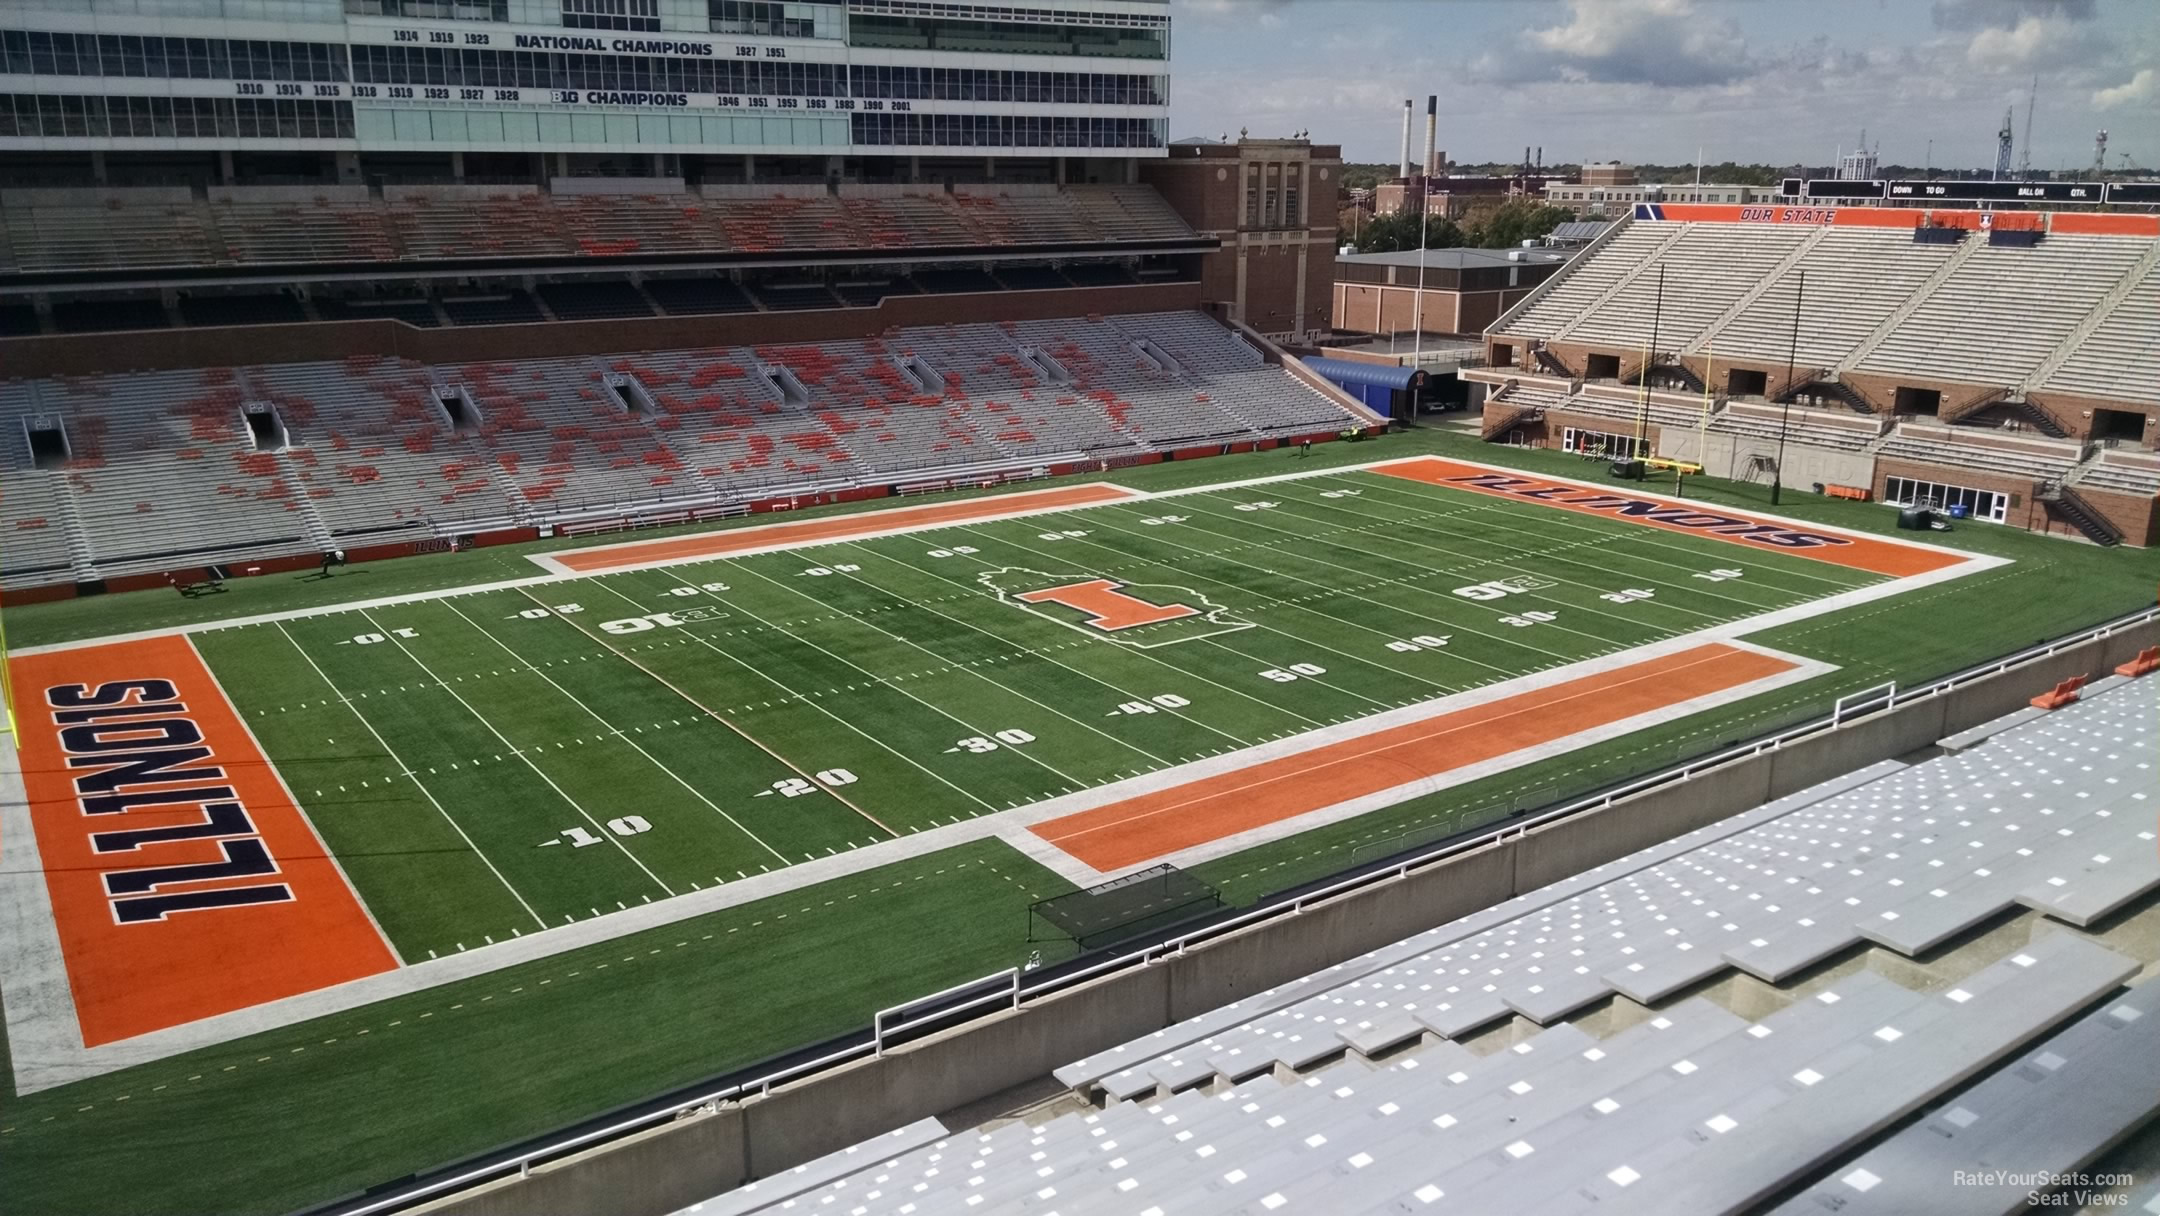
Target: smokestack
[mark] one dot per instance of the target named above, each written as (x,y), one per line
(1406,107)
(1432,133)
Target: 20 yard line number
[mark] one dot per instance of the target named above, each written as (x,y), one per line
(796,787)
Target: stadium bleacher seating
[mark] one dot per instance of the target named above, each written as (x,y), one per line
(2117,356)
(370,451)
(2034,458)
(1874,301)
(1365,1087)
(72,230)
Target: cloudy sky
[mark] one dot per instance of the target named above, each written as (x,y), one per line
(1776,81)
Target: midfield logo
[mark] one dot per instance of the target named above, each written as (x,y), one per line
(1132,614)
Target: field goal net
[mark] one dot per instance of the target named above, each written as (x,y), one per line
(1108,912)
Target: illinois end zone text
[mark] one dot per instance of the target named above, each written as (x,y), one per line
(183,880)
(131,746)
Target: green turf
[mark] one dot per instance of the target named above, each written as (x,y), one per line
(305,1114)
(872,672)
(498,762)
(103,615)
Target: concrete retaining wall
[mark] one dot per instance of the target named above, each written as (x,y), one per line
(695,1158)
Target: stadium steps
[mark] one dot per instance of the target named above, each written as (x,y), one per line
(2069,506)
(1504,322)
(1644,265)
(1919,296)
(1547,361)
(1973,405)
(316,527)
(1502,414)
(2138,274)
(78,537)
(1707,340)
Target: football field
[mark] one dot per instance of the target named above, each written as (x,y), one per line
(491,763)
(1103,678)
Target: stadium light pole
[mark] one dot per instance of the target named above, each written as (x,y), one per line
(1417,340)
(1792,352)
(1642,377)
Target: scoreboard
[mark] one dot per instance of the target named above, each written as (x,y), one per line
(1973,191)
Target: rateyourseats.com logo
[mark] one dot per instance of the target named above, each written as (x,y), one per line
(2069,1190)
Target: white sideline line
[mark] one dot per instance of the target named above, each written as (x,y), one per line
(64,1064)
(46,1044)
(1972,561)
(552,560)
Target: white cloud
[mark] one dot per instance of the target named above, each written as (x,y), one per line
(1662,43)
(2143,87)
(2034,42)
(1984,14)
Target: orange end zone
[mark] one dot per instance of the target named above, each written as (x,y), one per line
(184,882)
(1873,554)
(1157,824)
(845,527)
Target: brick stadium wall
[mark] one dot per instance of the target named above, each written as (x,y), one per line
(2137,518)
(167,349)
(1446,312)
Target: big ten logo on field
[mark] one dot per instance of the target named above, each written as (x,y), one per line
(1131,614)
(138,757)
(1500,588)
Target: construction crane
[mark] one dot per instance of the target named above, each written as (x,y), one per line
(2002,145)
(2100,155)
(2025,149)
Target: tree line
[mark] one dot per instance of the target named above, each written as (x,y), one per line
(1498,226)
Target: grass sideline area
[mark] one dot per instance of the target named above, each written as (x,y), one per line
(303,1115)
(300,1116)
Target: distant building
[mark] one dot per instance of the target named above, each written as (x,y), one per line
(1611,174)
(1277,231)
(1465,289)
(1858,165)
(1584,197)
(1444,196)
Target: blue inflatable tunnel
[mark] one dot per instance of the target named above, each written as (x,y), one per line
(1377,385)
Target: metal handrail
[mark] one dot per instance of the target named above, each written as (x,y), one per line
(1017,993)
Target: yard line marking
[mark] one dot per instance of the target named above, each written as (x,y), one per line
(694,791)
(852,727)
(947,715)
(1301,639)
(795,534)
(1151,657)
(1479,506)
(1213,808)
(1409,471)
(417,783)
(1043,652)
(559,792)
(1394,608)
(1527,597)
(1499,509)
(997,683)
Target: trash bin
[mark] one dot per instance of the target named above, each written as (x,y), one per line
(1959,510)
